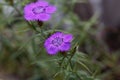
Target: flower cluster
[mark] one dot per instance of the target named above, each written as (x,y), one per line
(40,10)
(58,42)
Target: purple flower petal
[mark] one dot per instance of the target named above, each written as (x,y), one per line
(57,34)
(52,50)
(47,42)
(28,8)
(28,14)
(50,9)
(43,17)
(68,38)
(29,17)
(56,43)
(42,3)
(37,11)
(65,46)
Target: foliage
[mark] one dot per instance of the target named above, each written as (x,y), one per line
(22,51)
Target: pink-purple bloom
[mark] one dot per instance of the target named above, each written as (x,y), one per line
(58,42)
(40,10)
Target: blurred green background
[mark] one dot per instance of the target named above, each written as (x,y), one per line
(23,57)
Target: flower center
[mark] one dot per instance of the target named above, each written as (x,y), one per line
(57,41)
(38,10)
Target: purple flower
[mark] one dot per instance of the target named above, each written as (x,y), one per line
(40,10)
(58,42)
